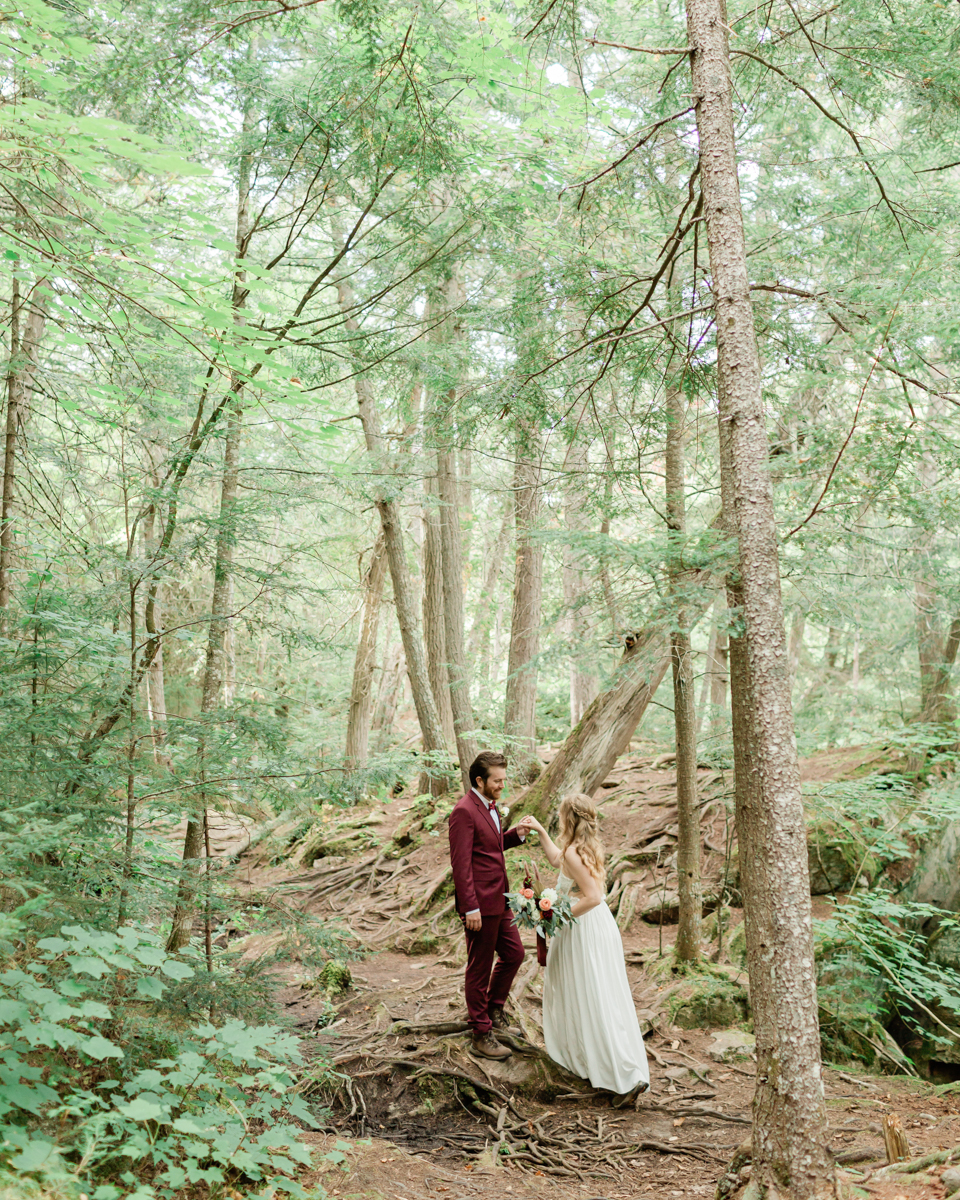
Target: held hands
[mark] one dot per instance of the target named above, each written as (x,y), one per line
(525,824)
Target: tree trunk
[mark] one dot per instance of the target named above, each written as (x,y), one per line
(520,710)
(584,683)
(391,685)
(361,699)
(452,546)
(609,599)
(704,704)
(587,756)
(28,318)
(435,641)
(214,671)
(156,690)
(719,678)
(478,644)
(404,594)
(451,537)
(790,1154)
(689,888)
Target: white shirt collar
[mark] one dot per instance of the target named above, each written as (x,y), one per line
(480,796)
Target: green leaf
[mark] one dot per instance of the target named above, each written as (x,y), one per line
(150,986)
(89,966)
(99,1048)
(36,1154)
(144,1108)
(176,970)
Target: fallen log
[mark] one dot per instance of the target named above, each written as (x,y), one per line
(588,755)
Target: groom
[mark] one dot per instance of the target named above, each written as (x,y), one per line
(477,843)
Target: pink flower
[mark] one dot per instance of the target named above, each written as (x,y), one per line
(526,893)
(545,906)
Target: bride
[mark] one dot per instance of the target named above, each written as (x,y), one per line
(589,1021)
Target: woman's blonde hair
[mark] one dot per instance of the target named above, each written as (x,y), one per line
(578,828)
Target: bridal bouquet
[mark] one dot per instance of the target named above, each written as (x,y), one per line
(543,910)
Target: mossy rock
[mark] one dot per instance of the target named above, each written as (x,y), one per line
(325,843)
(334,978)
(710,924)
(831,864)
(736,944)
(709,1002)
(422,942)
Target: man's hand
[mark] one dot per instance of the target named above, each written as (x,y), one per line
(474,922)
(527,823)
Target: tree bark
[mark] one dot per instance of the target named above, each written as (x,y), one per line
(453,633)
(790,1154)
(584,683)
(156,689)
(450,332)
(520,711)
(938,706)
(405,598)
(703,706)
(214,670)
(478,644)
(586,757)
(719,679)
(689,888)
(435,641)
(391,685)
(28,318)
(361,699)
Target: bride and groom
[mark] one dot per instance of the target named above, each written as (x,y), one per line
(589,1021)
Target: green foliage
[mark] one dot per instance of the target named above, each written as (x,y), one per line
(99,1087)
(873,965)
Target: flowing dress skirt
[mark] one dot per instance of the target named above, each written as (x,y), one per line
(589,1021)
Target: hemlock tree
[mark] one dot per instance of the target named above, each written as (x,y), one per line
(790,1141)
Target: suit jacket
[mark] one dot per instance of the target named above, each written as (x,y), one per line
(476,855)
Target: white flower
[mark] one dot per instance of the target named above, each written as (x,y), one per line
(549,894)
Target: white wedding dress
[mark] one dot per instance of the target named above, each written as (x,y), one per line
(589,1021)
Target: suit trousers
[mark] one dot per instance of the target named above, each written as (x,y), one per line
(496,936)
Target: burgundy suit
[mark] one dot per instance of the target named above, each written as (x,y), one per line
(480,880)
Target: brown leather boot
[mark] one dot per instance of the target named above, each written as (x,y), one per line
(486,1045)
(500,1023)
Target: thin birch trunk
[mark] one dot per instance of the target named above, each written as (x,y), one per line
(520,712)
(689,888)
(790,1139)
(215,664)
(361,699)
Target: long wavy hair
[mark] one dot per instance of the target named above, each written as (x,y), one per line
(578,828)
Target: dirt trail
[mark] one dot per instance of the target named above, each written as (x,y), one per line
(440,1123)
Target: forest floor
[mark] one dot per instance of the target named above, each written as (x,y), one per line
(414,1115)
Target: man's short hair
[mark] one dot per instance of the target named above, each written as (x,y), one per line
(482,764)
